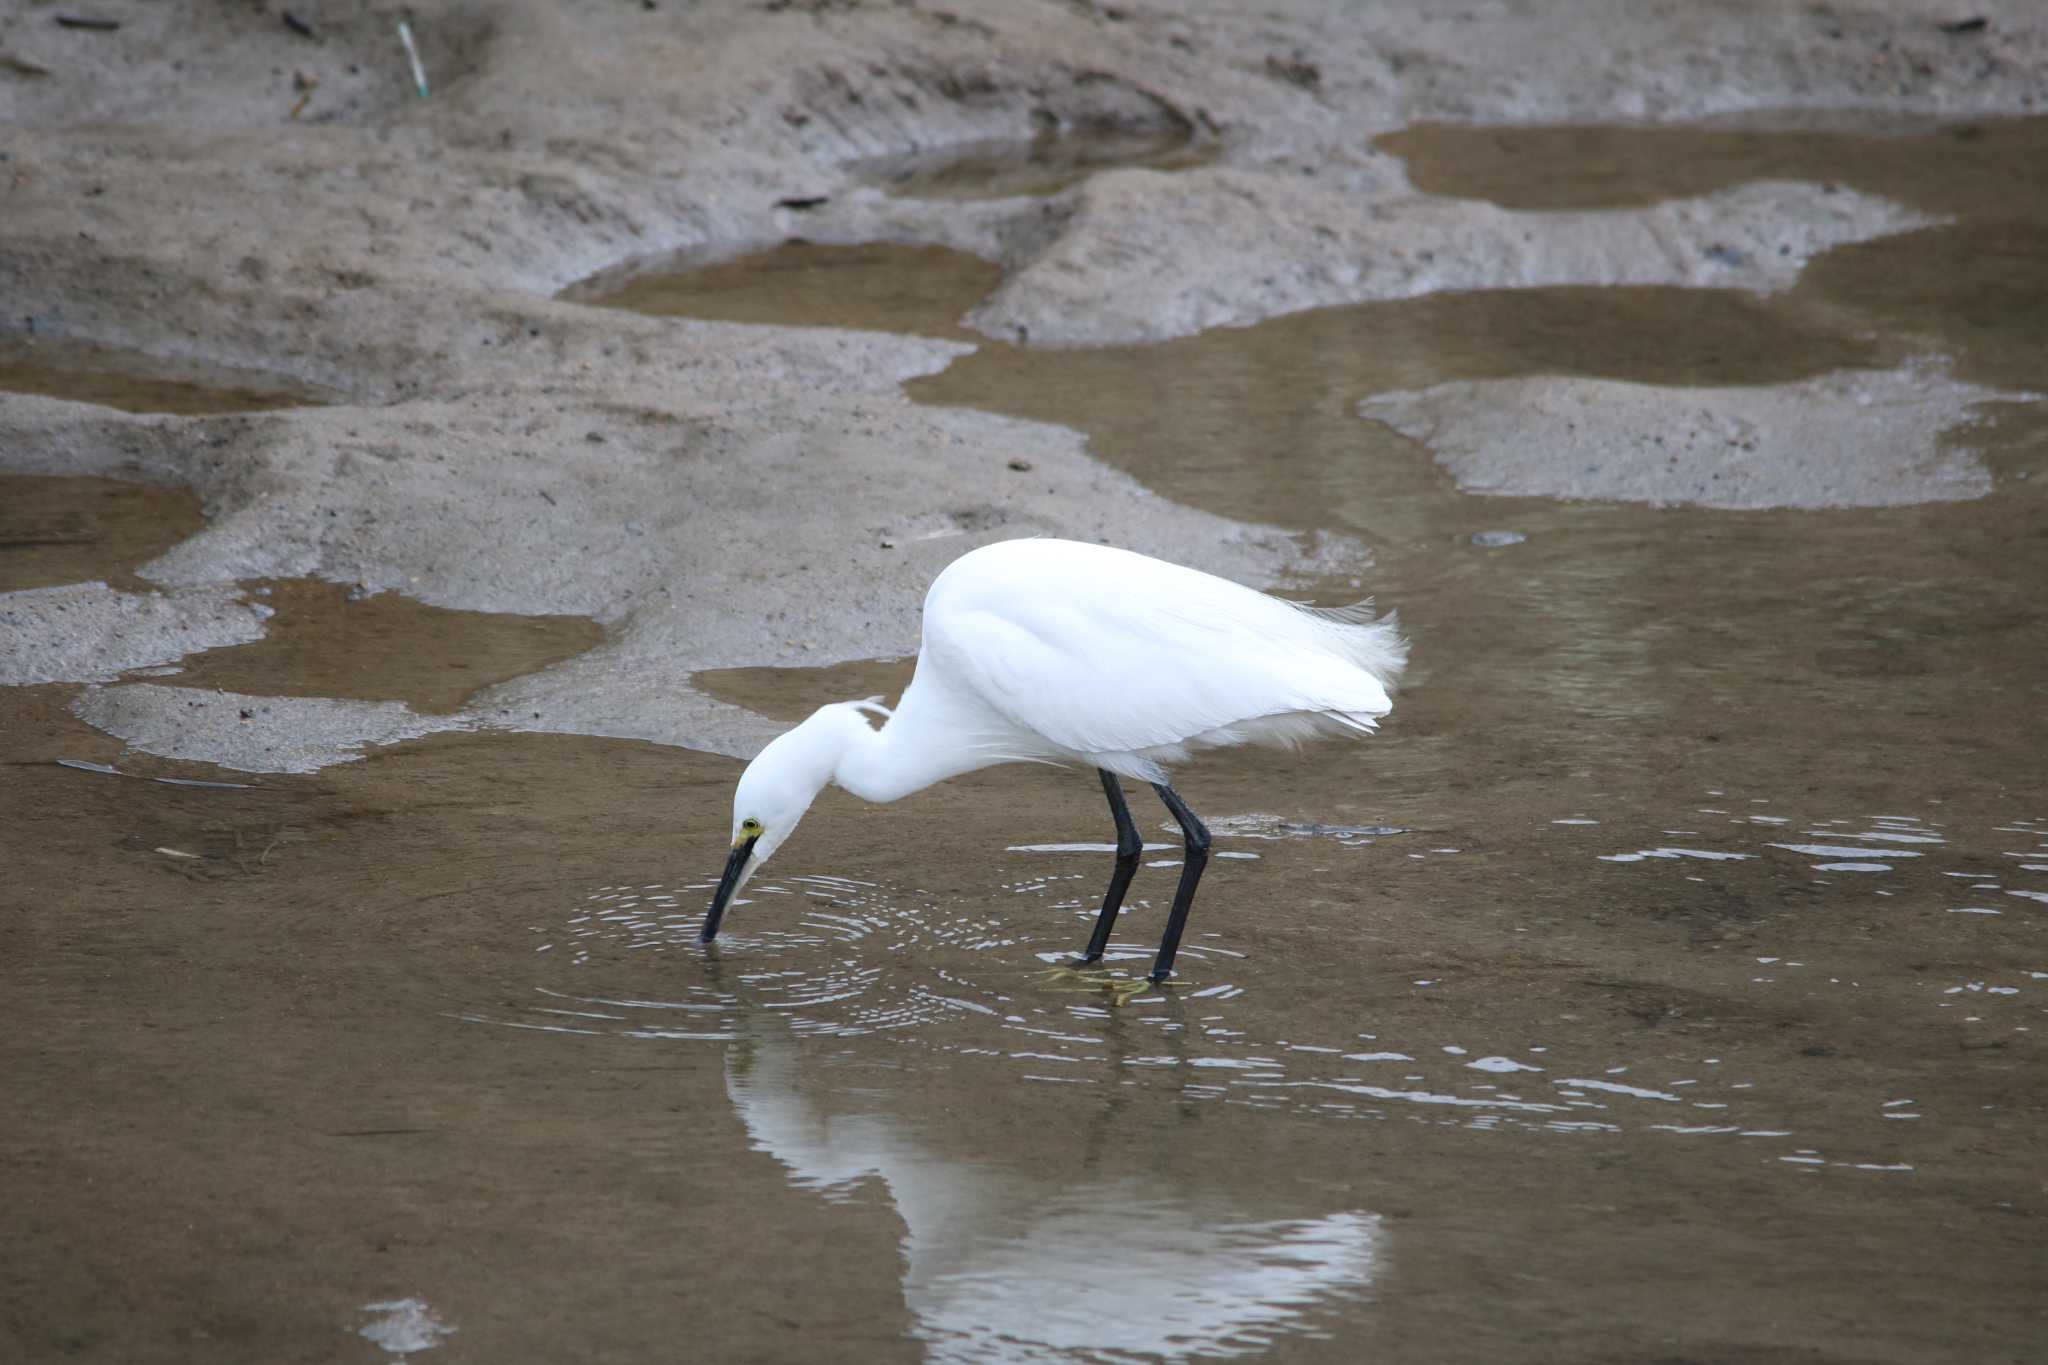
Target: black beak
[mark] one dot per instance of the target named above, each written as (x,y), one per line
(734,866)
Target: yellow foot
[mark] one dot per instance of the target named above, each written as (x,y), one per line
(1094,973)
(1092,977)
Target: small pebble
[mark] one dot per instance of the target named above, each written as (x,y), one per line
(1493,539)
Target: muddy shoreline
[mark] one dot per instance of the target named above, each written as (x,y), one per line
(411,508)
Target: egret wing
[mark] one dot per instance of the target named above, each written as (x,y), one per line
(1091,677)
(1099,652)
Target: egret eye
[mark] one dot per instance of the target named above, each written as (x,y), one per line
(750,826)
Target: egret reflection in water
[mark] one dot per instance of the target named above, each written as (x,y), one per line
(1002,1265)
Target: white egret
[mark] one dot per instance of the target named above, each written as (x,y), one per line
(1055,651)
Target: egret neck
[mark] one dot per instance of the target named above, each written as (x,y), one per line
(922,742)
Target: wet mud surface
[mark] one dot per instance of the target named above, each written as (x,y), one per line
(1666,981)
(1042,166)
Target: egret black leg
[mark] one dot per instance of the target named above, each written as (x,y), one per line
(1128,847)
(1190,873)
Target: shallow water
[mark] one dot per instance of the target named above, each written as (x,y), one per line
(1666,981)
(1977,288)
(68,529)
(1966,167)
(452,995)
(334,640)
(136,381)
(919,289)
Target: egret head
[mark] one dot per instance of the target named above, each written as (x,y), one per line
(775,791)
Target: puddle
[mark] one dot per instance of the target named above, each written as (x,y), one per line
(330,640)
(67,529)
(1040,166)
(878,285)
(1976,289)
(793,693)
(135,381)
(1963,168)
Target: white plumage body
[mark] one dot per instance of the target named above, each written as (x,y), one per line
(1053,650)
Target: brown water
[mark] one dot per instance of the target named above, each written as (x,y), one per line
(793,693)
(1976,289)
(135,381)
(332,640)
(1666,982)
(913,289)
(67,529)
(1979,168)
